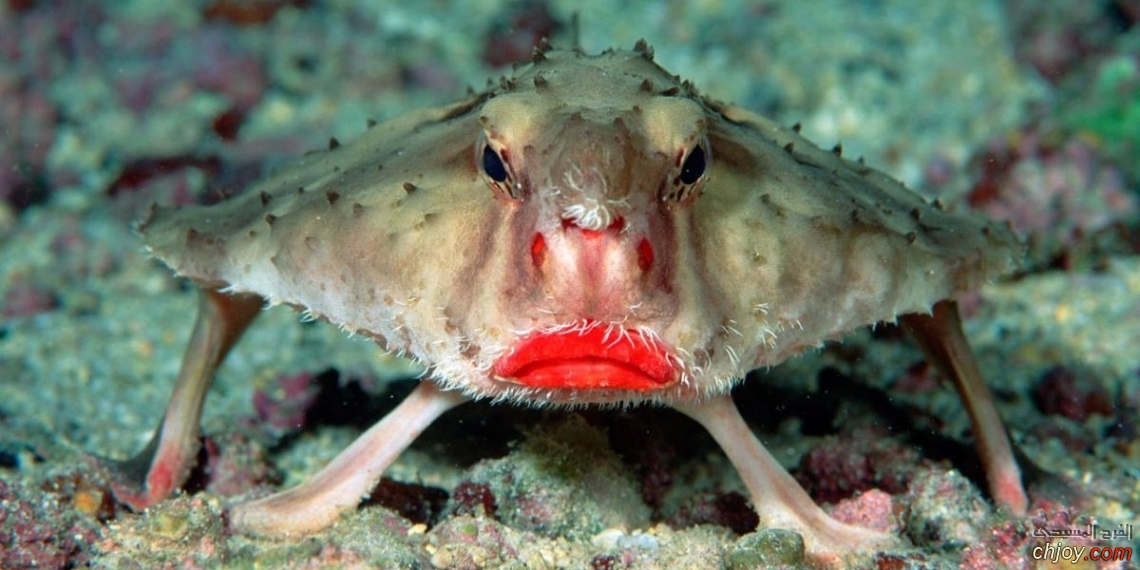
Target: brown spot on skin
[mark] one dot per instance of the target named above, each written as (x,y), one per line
(409,187)
(837,149)
(642,47)
(370,123)
(776,209)
(332,196)
(270,218)
(540,82)
(789,148)
(796,127)
(265,198)
(646,86)
(333,143)
(357,209)
(825,226)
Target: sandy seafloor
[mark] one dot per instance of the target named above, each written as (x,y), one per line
(95,96)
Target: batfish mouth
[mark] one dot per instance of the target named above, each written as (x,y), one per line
(594,358)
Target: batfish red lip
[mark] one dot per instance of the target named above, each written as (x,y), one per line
(589,360)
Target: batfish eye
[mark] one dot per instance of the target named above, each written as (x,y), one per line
(494,167)
(694,166)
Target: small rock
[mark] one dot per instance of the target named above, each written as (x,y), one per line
(945,510)
(768,547)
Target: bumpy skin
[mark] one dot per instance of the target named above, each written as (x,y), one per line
(591,231)
(401,236)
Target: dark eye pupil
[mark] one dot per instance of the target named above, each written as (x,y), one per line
(493,165)
(694,166)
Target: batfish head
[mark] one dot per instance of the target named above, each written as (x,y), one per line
(593,179)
